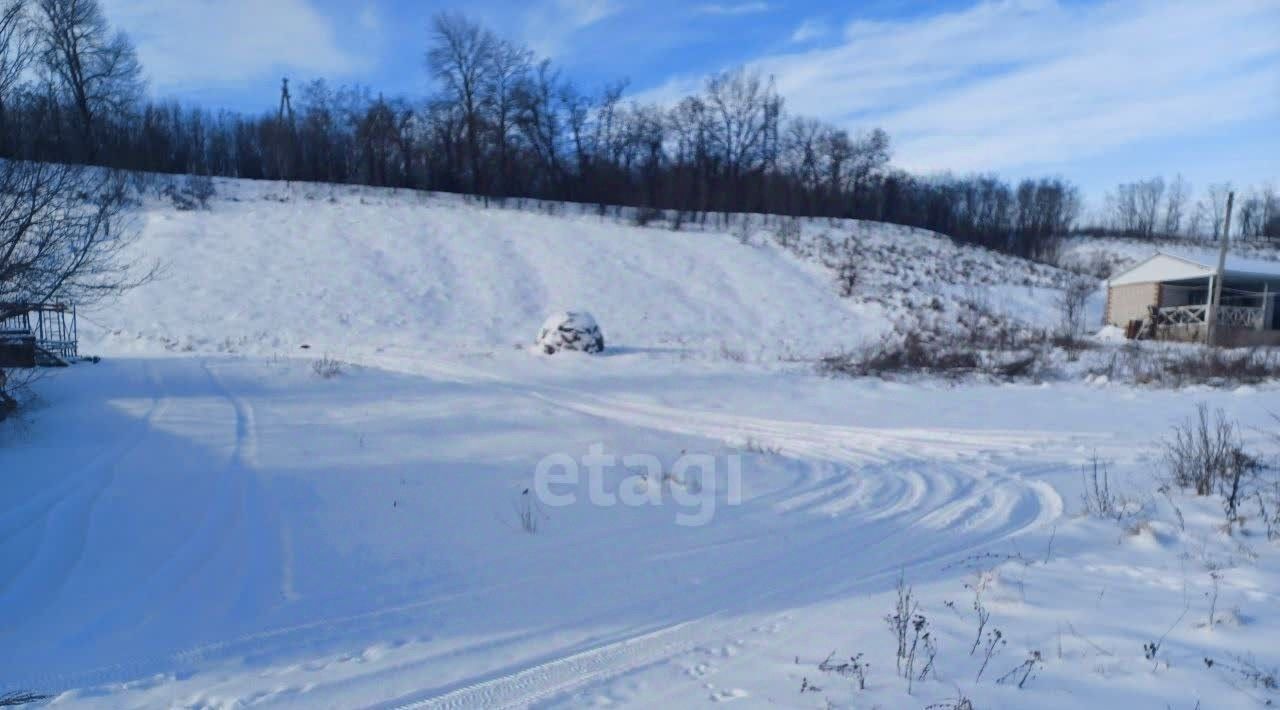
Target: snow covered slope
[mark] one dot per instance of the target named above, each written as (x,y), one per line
(356,271)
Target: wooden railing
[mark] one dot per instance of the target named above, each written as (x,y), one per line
(52,326)
(1196,315)
(1182,315)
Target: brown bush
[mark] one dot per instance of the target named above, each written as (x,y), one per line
(1189,366)
(1206,454)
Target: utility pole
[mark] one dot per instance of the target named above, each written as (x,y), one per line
(285,103)
(1211,318)
(284,133)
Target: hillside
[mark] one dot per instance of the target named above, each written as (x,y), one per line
(356,271)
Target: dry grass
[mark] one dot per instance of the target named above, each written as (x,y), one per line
(1207,454)
(973,342)
(1190,365)
(327,368)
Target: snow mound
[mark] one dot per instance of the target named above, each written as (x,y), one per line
(570,330)
(1111,334)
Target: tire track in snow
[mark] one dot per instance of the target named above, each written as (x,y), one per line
(264,570)
(886,501)
(232,519)
(988,508)
(885,482)
(545,680)
(66,515)
(891,499)
(161,590)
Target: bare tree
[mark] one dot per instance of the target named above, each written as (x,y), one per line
(801,155)
(500,127)
(648,131)
(1270,213)
(17,48)
(1216,207)
(1250,211)
(97,69)
(1259,213)
(741,106)
(869,155)
(460,57)
(1072,303)
(62,235)
(1119,209)
(1147,196)
(509,65)
(843,163)
(539,120)
(63,230)
(1175,206)
(1135,207)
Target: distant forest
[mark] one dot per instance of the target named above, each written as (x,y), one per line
(505,124)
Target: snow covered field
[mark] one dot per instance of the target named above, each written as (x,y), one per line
(201,520)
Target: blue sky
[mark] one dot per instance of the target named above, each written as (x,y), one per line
(1099,91)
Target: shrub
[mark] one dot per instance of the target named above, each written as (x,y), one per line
(1071,305)
(181,201)
(855,668)
(973,341)
(788,234)
(844,259)
(1253,365)
(1206,454)
(326,367)
(1099,499)
(910,353)
(905,609)
(200,188)
(1192,365)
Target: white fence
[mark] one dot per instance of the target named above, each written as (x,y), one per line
(1228,316)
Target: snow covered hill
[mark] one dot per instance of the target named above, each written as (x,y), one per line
(358,271)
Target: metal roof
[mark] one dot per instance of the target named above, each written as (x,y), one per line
(1161,267)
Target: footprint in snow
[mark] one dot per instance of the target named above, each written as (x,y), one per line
(699,670)
(728,695)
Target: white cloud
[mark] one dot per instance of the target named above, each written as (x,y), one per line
(809,30)
(222,42)
(550,23)
(742,8)
(1011,83)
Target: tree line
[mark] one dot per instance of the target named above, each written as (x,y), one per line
(1158,209)
(502,124)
